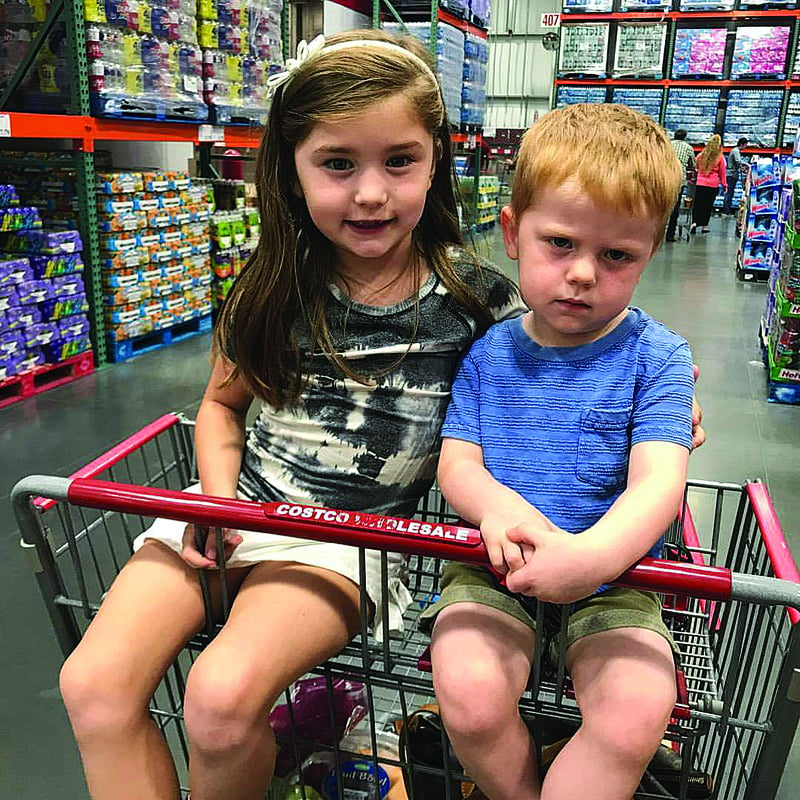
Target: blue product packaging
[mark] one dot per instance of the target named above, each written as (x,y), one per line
(12,343)
(67,285)
(22,317)
(34,292)
(8,298)
(15,271)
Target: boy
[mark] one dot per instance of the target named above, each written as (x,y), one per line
(567,442)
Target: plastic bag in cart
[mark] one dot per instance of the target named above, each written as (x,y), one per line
(309,719)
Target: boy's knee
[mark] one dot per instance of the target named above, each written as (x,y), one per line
(222,708)
(633,724)
(474,699)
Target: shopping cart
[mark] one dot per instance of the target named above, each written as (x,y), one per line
(685,213)
(731,601)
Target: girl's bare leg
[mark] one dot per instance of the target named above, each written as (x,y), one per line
(152,609)
(286,619)
(481,663)
(625,686)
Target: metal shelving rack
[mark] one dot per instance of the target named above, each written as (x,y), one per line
(731,19)
(85,131)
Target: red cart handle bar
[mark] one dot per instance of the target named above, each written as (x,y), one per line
(452,542)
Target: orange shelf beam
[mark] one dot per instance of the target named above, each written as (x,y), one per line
(85,131)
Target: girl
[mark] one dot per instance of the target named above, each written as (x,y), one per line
(710,174)
(347,324)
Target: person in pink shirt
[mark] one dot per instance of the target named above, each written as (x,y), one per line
(710,175)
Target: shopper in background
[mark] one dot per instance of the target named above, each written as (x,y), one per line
(567,441)
(685,154)
(348,324)
(710,176)
(735,162)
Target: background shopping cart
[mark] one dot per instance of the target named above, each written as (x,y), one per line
(740,656)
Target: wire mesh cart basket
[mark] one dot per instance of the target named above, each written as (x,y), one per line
(730,592)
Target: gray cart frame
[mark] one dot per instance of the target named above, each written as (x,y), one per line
(732,606)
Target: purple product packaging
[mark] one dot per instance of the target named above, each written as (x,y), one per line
(12,344)
(32,359)
(22,317)
(15,271)
(34,292)
(9,366)
(73,327)
(8,298)
(36,242)
(67,285)
(53,310)
(41,333)
(51,266)
(8,195)
(62,349)
(21,218)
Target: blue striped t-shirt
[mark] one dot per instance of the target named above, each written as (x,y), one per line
(557,424)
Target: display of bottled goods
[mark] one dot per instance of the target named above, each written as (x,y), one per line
(694,110)
(753,113)
(587,6)
(646,101)
(567,95)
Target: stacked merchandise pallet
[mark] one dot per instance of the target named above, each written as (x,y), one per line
(449,49)
(144,59)
(181,59)
(155,259)
(235,228)
(482,205)
(46,86)
(241,44)
(461,49)
(758,221)
(44,330)
(724,71)
(780,325)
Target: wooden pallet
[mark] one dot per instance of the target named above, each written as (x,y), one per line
(45,377)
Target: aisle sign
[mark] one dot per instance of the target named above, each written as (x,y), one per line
(5,126)
(550,20)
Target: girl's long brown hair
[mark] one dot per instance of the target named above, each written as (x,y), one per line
(710,155)
(287,277)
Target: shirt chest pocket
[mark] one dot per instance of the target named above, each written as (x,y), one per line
(603,447)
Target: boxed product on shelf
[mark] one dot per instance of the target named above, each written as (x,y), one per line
(645,5)
(640,50)
(587,6)
(706,5)
(760,51)
(699,52)
(584,50)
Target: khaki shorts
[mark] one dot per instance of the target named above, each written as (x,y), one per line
(609,610)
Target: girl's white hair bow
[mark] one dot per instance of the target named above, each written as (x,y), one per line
(305,50)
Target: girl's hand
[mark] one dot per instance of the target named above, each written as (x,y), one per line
(560,569)
(206,556)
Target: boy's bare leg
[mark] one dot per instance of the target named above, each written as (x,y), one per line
(286,619)
(625,685)
(481,663)
(151,610)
